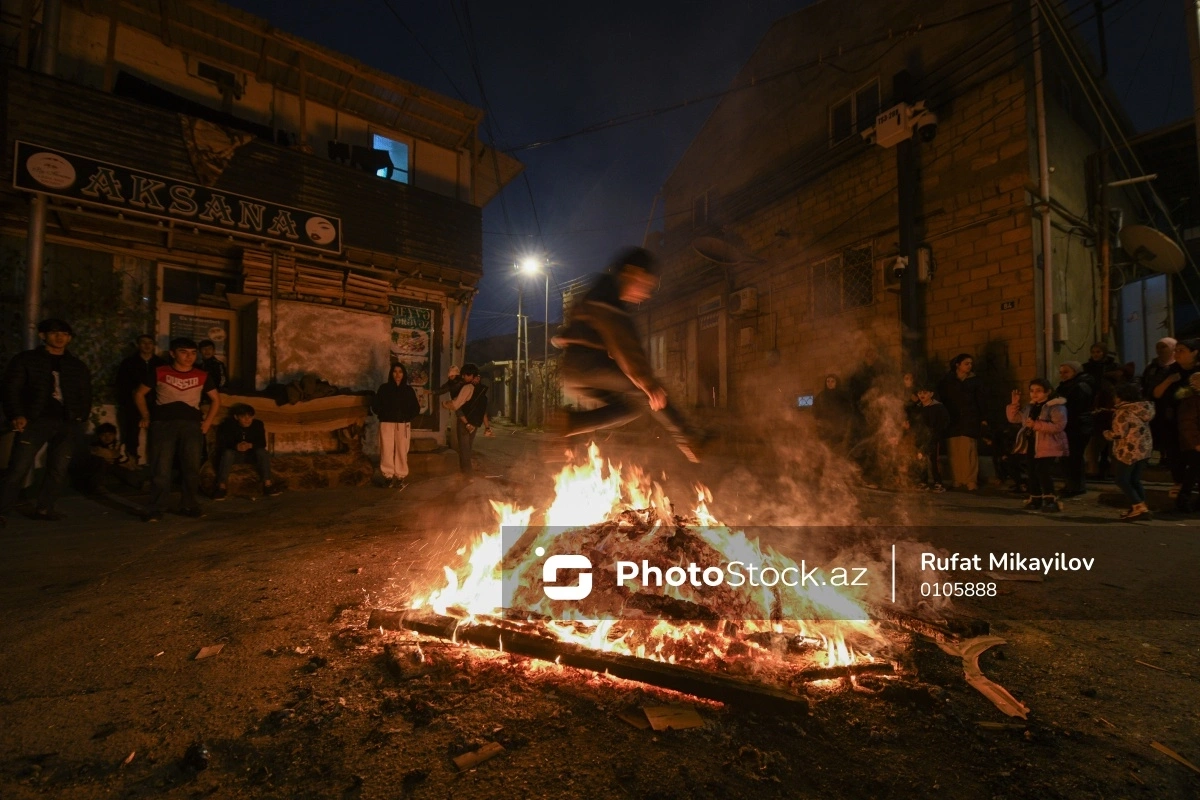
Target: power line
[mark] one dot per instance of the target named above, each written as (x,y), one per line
(821,60)
(822,153)
(387,4)
(1149,41)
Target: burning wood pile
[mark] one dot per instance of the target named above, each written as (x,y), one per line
(651,596)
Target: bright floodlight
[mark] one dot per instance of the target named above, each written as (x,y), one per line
(531,264)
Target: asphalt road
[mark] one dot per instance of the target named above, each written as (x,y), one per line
(101,615)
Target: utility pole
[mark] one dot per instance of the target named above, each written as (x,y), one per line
(38,206)
(546,350)
(911,316)
(1043,156)
(1192,25)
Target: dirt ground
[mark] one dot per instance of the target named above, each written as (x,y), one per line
(101,694)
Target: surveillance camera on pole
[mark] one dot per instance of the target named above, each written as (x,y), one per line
(898,123)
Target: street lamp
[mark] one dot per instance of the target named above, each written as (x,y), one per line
(532,265)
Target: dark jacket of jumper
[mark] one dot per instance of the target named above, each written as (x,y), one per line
(394,403)
(29,382)
(600,321)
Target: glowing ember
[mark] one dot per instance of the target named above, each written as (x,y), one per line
(598,509)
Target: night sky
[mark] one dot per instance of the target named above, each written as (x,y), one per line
(554,68)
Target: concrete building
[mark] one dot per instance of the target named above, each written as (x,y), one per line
(208,175)
(784,223)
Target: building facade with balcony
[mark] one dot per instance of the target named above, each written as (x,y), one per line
(208,175)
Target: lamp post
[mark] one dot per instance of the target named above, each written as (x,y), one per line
(532,266)
(517,361)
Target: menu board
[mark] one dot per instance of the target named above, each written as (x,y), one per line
(411,344)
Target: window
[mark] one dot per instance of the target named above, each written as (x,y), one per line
(866,106)
(843,282)
(229,83)
(854,113)
(399,154)
(858,273)
(704,207)
(658,353)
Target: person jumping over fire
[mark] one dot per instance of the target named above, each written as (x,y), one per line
(603,359)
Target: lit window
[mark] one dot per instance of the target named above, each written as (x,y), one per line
(399,153)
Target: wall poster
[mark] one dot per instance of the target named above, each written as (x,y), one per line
(413,343)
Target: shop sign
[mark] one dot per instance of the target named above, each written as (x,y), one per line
(132,191)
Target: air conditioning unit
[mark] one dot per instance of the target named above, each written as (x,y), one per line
(743,302)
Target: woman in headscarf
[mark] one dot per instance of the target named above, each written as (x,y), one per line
(962,394)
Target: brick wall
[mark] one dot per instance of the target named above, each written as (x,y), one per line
(972,212)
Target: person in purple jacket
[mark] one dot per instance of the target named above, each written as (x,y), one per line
(1043,439)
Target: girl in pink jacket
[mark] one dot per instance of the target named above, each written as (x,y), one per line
(1043,439)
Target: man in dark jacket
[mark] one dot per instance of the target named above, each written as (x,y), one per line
(1106,374)
(209,362)
(470,412)
(603,359)
(1078,389)
(396,406)
(48,397)
(241,436)
(132,373)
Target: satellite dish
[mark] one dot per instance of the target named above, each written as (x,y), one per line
(1151,248)
(719,250)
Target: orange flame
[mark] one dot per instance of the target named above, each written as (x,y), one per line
(597,491)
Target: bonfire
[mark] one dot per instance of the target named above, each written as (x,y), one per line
(776,636)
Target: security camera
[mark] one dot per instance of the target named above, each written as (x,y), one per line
(899,266)
(925,121)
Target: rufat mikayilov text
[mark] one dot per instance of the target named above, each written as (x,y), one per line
(1006,562)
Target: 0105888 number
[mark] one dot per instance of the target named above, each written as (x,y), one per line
(958,590)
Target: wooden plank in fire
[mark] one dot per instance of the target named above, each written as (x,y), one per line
(688,680)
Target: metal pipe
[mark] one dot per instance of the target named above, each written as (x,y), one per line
(36,236)
(1105,250)
(1192,26)
(51,24)
(1129,181)
(35,243)
(274,310)
(1039,96)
